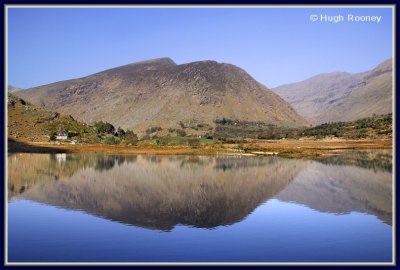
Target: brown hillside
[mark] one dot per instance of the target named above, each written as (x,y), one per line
(341,96)
(161,93)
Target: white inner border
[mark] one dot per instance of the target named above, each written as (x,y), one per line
(5,244)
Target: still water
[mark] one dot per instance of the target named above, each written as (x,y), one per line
(115,208)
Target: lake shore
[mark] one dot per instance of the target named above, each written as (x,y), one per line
(285,148)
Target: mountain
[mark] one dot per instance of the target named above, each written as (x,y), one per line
(341,96)
(160,93)
(13,89)
(31,123)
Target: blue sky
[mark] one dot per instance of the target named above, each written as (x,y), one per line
(274,45)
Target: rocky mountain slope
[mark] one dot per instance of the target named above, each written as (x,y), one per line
(341,96)
(160,93)
(31,123)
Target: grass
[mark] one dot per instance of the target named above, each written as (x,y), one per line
(178,141)
(288,148)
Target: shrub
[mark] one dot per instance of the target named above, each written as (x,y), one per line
(53,136)
(181,132)
(194,142)
(162,141)
(110,139)
(153,129)
(72,134)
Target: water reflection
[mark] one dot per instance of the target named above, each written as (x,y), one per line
(27,170)
(341,190)
(206,192)
(369,159)
(107,162)
(228,163)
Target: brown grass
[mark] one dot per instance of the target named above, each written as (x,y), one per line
(303,148)
(288,148)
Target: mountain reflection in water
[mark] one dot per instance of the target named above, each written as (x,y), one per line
(159,192)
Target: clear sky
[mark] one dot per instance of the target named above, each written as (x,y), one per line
(276,46)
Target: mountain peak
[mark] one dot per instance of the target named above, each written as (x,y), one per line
(156,61)
(142,66)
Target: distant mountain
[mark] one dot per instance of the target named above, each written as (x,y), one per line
(32,123)
(13,89)
(160,93)
(341,96)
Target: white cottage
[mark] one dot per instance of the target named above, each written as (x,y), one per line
(62,135)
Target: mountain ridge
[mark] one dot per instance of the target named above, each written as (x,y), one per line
(158,92)
(341,96)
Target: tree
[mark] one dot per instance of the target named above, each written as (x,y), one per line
(104,127)
(130,137)
(120,132)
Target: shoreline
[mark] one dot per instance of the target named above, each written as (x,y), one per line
(283,148)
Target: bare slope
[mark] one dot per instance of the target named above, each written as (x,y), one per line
(32,123)
(341,96)
(160,93)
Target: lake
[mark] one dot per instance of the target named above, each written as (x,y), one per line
(124,208)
